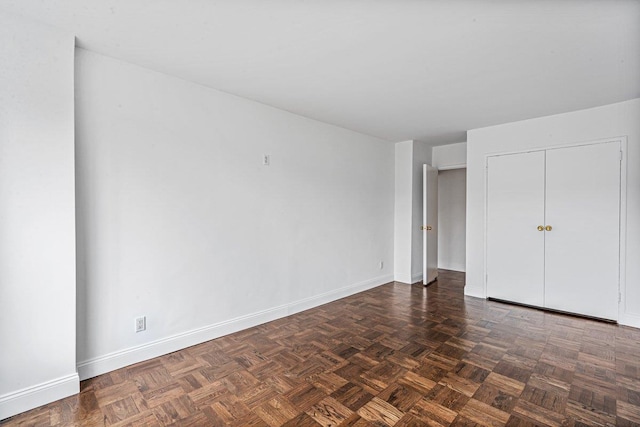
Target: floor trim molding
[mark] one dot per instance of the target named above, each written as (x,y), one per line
(119,359)
(629,319)
(40,394)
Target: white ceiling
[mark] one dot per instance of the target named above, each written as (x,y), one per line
(396,69)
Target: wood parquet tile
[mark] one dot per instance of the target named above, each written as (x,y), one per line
(396,355)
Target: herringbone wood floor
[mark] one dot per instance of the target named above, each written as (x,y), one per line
(396,355)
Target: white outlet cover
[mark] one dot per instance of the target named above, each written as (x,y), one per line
(141,324)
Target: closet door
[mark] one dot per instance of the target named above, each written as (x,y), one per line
(582,247)
(515,246)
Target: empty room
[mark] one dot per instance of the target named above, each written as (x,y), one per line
(319,213)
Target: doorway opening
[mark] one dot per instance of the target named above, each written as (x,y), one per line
(452,219)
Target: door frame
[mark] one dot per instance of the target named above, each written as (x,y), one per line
(622,254)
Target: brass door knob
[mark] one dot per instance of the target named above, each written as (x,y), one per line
(540,228)
(429,228)
(548,228)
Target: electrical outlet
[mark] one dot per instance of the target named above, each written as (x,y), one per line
(381,265)
(141,323)
(266,160)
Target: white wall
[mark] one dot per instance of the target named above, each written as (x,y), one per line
(452,156)
(179,220)
(403,212)
(620,119)
(37,244)
(452,205)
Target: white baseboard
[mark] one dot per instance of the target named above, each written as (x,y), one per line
(31,397)
(454,267)
(474,291)
(316,300)
(119,359)
(402,278)
(628,319)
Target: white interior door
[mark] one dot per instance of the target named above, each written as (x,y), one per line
(430,224)
(582,247)
(515,212)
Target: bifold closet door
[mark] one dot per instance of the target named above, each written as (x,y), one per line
(515,246)
(582,247)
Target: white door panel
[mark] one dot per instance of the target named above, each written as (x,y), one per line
(430,221)
(515,247)
(582,248)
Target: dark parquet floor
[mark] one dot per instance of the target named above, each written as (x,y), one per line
(396,355)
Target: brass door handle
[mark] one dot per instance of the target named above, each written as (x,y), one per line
(540,228)
(427,228)
(548,228)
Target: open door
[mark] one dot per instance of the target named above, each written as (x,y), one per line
(429,224)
